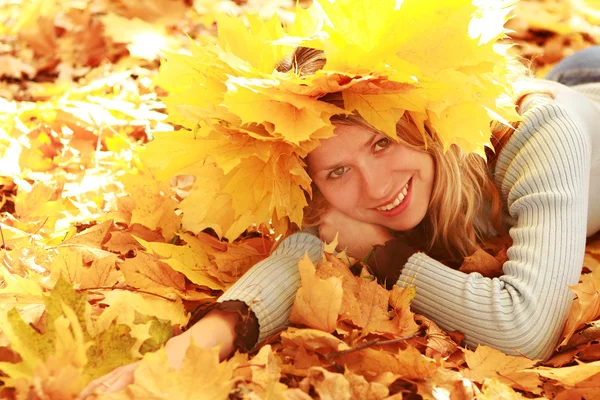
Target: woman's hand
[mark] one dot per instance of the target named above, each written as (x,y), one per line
(356,236)
(112,382)
(217,328)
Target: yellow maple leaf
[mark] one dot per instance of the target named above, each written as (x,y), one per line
(295,117)
(488,363)
(253,44)
(144,40)
(190,259)
(145,304)
(148,272)
(201,376)
(494,389)
(149,204)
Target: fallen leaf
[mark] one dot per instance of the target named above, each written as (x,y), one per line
(482,262)
(318,301)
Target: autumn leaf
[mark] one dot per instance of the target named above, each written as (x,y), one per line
(586,307)
(124,204)
(570,376)
(408,364)
(265,373)
(494,389)
(200,372)
(482,262)
(147,272)
(488,363)
(318,301)
(327,385)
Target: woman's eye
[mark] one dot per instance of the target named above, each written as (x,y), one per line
(336,173)
(382,144)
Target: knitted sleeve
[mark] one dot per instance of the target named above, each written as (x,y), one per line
(543,173)
(269,288)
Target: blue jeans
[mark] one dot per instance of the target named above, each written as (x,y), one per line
(578,68)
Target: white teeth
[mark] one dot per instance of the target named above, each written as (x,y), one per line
(397,201)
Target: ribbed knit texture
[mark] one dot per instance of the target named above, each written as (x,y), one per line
(543,175)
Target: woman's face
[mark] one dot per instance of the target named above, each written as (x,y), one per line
(373,179)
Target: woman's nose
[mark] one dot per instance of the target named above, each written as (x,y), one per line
(376,184)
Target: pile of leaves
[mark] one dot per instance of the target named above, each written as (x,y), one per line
(96,271)
(546,31)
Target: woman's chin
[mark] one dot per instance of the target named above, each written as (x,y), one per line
(402,223)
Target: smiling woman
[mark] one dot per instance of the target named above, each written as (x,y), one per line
(382,170)
(400,105)
(371,178)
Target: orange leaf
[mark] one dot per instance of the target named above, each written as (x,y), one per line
(482,262)
(488,363)
(146,272)
(409,364)
(585,308)
(318,301)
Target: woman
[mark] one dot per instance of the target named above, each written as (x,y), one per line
(538,186)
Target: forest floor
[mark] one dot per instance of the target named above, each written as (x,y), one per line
(97,271)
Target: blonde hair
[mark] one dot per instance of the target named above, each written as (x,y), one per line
(462,182)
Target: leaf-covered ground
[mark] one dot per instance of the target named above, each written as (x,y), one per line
(97,272)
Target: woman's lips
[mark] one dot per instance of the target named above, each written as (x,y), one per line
(399,209)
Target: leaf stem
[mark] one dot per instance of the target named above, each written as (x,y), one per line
(3,242)
(128,288)
(370,343)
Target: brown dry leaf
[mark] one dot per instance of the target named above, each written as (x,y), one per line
(439,343)
(313,340)
(361,389)
(590,262)
(482,262)
(593,245)
(122,242)
(589,351)
(328,385)
(264,373)
(571,376)
(579,393)
(409,364)
(585,308)
(365,302)
(91,237)
(319,301)
(238,257)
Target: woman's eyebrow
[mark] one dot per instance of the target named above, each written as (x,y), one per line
(341,164)
(333,166)
(368,143)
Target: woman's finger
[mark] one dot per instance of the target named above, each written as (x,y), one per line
(109,380)
(120,383)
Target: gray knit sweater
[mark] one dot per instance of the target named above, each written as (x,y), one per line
(548,175)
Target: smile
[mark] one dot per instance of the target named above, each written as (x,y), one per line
(398,201)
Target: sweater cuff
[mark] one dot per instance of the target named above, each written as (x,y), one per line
(246,328)
(411,269)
